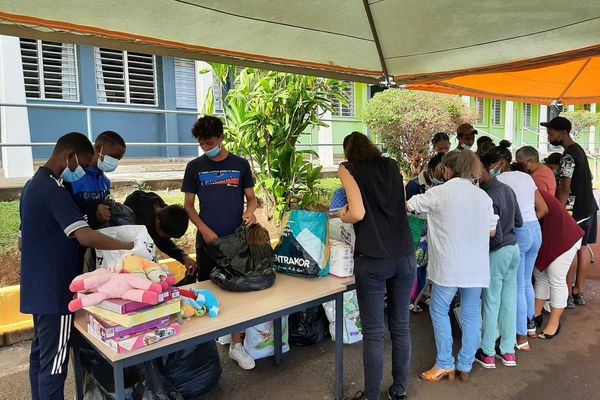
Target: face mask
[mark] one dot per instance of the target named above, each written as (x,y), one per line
(436,182)
(72,176)
(212,153)
(107,163)
(465,147)
(493,172)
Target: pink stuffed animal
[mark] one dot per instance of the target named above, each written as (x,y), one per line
(103,284)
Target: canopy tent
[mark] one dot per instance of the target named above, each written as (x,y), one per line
(571,82)
(412,41)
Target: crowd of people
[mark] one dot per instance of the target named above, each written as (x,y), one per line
(510,238)
(501,234)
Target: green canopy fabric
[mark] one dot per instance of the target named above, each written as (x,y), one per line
(418,40)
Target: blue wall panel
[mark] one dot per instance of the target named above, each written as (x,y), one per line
(48,125)
(184,127)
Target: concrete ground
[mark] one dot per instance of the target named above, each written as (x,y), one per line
(563,368)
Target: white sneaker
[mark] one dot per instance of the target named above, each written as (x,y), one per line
(238,353)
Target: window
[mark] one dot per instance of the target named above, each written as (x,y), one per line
(125,77)
(480,111)
(185,83)
(527,113)
(50,70)
(218,98)
(496,112)
(587,107)
(341,110)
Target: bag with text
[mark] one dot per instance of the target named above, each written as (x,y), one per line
(352,325)
(259,341)
(341,239)
(303,248)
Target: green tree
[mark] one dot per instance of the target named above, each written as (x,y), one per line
(581,120)
(265,114)
(406,120)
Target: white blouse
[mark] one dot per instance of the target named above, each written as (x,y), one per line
(460,218)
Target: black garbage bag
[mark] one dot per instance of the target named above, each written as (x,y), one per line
(120,215)
(192,372)
(154,386)
(308,327)
(244,260)
(94,365)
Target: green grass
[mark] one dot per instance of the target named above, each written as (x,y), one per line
(328,185)
(9,227)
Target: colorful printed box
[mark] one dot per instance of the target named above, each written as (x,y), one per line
(127,306)
(110,330)
(139,317)
(135,342)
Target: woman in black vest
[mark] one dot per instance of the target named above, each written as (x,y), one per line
(384,259)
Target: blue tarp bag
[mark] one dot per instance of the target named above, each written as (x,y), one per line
(303,248)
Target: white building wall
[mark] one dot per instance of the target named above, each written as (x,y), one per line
(14,123)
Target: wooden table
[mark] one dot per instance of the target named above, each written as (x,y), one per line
(238,311)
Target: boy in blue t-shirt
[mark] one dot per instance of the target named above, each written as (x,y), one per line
(51,231)
(93,188)
(221,181)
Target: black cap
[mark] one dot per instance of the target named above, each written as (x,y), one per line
(558,124)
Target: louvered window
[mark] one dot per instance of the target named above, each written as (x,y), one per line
(527,114)
(342,110)
(496,112)
(218,98)
(480,110)
(125,77)
(50,70)
(185,83)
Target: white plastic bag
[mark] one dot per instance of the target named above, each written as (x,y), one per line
(260,339)
(342,240)
(352,325)
(144,245)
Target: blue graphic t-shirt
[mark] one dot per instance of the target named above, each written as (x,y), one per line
(219,186)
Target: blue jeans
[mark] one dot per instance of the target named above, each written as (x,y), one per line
(500,301)
(373,277)
(529,238)
(439,306)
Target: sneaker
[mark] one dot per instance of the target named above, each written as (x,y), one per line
(579,299)
(358,396)
(239,354)
(392,395)
(531,326)
(570,303)
(508,359)
(484,360)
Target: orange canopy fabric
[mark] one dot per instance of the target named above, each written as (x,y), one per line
(571,82)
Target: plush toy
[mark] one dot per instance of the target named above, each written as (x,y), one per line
(143,267)
(103,284)
(197,302)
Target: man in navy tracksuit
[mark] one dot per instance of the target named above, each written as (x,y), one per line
(93,188)
(52,228)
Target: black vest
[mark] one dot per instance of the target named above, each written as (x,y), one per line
(384,231)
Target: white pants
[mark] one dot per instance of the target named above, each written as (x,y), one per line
(552,283)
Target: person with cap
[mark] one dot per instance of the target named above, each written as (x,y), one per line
(441,143)
(465,134)
(529,159)
(575,186)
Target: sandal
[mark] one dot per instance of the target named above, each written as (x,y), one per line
(523,346)
(548,336)
(428,376)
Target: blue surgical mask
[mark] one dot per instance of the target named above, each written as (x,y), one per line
(494,173)
(212,153)
(107,163)
(72,176)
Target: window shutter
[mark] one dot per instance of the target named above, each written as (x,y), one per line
(341,110)
(50,70)
(125,77)
(185,83)
(480,110)
(496,112)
